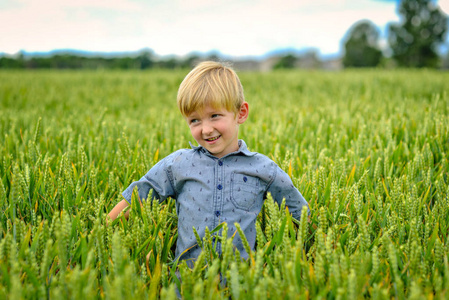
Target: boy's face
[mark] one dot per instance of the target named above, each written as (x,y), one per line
(217,129)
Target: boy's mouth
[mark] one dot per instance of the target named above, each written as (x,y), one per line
(213,138)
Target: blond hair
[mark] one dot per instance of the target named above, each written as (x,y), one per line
(210,83)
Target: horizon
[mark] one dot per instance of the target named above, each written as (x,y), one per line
(88,53)
(233,30)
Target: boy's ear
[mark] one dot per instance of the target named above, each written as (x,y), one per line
(243,113)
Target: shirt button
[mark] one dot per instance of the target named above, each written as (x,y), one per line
(217,213)
(245,179)
(219,186)
(220,163)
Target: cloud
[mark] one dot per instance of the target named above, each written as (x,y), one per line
(233,27)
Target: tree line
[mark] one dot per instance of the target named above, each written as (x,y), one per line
(68,60)
(413,42)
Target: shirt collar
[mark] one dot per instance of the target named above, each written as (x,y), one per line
(242,149)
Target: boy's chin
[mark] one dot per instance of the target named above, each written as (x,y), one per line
(211,149)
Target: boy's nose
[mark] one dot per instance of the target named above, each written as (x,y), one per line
(207,129)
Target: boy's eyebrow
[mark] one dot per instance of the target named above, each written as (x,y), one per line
(192,115)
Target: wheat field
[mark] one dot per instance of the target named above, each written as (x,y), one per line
(368,149)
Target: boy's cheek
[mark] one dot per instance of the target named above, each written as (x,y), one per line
(195,135)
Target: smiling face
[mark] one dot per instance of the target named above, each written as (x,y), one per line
(217,129)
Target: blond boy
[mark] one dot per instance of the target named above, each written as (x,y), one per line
(220,180)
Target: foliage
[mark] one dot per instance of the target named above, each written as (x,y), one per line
(414,41)
(78,60)
(286,62)
(362,46)
(368,150)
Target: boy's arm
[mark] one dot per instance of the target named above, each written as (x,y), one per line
(156,180)
(118,209)
(282,187)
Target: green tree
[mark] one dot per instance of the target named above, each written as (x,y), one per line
(286,62)
(145,60)
(361,46)
(414,41)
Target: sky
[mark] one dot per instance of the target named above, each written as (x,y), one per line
(236,28)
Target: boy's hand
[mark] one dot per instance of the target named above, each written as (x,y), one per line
(117,210)
(312,224)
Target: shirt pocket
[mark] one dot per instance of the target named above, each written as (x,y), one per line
(244,190)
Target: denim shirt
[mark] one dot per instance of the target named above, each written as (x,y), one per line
(210,190)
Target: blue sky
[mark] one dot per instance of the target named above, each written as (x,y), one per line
(232,27)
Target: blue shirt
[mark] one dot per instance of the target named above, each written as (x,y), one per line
(210,190)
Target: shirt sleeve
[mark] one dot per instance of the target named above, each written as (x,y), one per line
(157,179)
(282,187)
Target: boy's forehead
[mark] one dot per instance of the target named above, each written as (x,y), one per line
(207,108)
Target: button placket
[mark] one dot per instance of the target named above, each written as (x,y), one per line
(219,173)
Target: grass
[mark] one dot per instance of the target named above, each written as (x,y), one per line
(367,149)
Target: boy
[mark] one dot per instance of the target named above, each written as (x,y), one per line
(220,180)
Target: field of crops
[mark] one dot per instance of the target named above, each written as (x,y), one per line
(367,149)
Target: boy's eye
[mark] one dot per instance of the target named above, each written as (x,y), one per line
(193,121)
(215,115)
